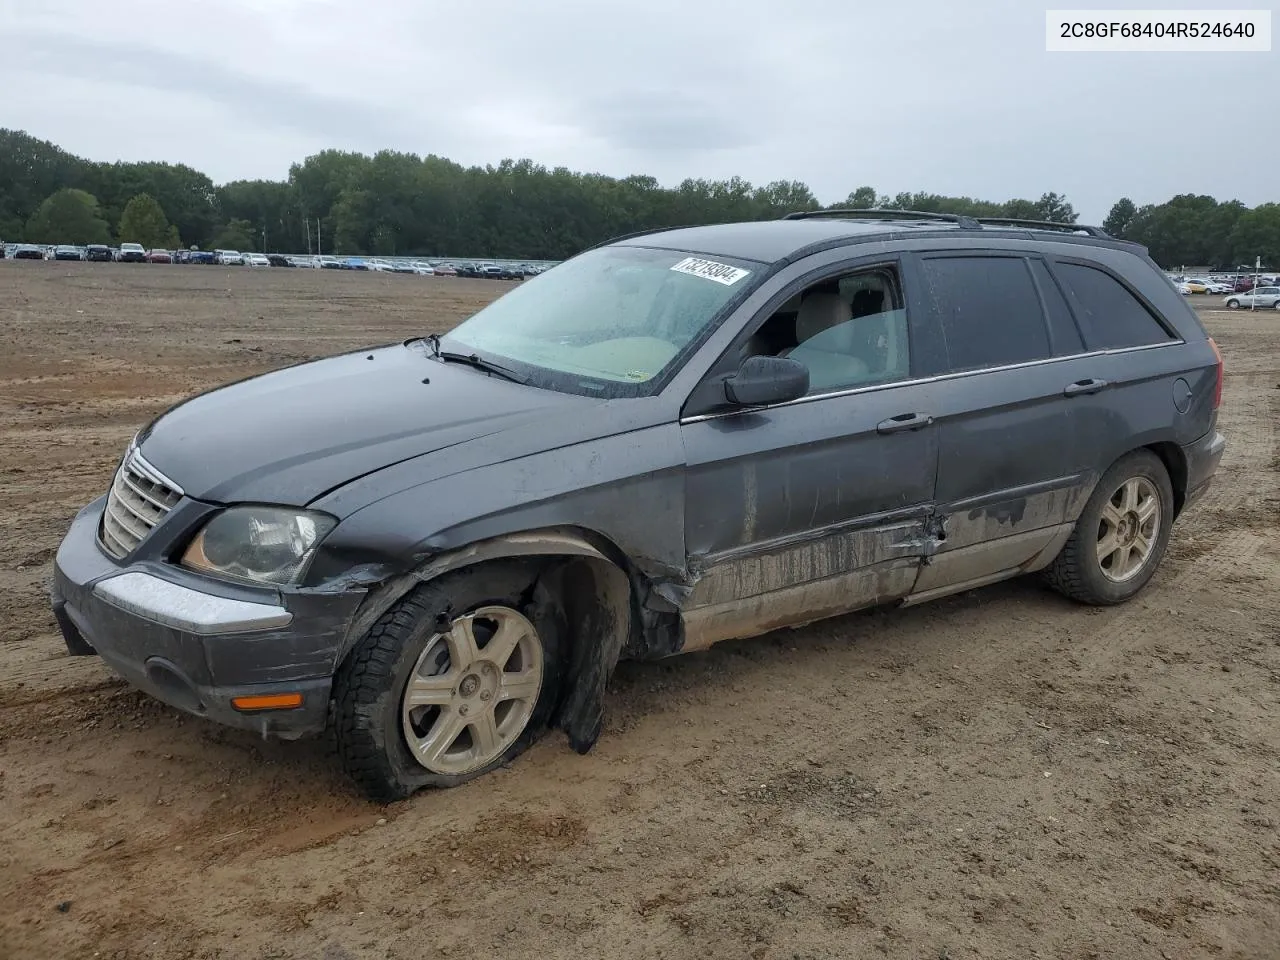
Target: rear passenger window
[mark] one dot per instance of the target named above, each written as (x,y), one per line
(1111,316)
(989,310)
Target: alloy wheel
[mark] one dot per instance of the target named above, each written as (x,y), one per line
(472,691)
(1128,529)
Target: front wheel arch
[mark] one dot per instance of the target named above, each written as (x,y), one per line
(595,594)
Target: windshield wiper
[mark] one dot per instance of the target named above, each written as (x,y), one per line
(479,362)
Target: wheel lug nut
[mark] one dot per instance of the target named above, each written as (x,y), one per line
(463,710)
(486,695)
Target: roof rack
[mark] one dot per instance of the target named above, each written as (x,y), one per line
(874,213)
(1046,225)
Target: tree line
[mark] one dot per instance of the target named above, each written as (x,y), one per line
(396,203)
(1197,230)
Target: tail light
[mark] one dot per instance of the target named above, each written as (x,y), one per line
(1217,387)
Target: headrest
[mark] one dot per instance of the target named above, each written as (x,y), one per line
(819,312)
(867,302)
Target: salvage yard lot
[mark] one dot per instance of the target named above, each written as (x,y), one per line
(993,775)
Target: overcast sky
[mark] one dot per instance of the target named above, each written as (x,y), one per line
(940,95)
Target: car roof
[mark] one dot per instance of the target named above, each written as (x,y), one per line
(770,241)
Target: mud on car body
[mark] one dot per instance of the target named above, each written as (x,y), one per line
(440,547)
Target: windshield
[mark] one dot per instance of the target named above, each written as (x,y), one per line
(609,322)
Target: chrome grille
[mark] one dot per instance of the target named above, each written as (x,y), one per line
(140,497)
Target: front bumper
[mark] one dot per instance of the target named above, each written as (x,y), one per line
(197,644)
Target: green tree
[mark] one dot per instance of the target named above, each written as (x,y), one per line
(1020,210)
(233,235)
(68,216)
(30,171)
(862,198)
(1256,234)
(187,196)
(144,222)
(1187,230)
(1054,207)
(1121,215)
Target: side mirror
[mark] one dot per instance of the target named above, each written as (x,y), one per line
(765,380)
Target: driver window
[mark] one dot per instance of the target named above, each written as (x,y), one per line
(850,331)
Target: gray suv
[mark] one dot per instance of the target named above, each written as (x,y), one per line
(443,546)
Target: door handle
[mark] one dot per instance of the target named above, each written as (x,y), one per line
(904,421)
(1082,388)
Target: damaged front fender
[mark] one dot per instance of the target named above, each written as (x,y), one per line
(591,591)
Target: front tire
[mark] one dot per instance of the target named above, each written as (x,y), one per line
(1233,304)
(457,678)
(1121,536)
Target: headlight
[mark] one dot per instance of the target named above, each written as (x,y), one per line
(258,544)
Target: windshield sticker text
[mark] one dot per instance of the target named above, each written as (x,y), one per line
(710,270)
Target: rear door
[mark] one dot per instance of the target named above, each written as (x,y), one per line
(1010,473)
(1155,388)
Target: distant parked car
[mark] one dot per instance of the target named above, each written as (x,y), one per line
(159,256)
(1211,286)
(421,268)
(207,257)
(1196,286)
(445,270)
(332,263)
(1183,287)
(356,263)
(67,252)
(231,258)
(256,260)
(1261,297)
(28,251)
(279,260)
(491,271)
(99,252)
(379,266)
(131,253)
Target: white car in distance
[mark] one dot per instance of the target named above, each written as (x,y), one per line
(1263,298)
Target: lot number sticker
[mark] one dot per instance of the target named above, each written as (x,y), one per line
(710,270)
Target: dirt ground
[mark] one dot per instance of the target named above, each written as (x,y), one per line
(999,774)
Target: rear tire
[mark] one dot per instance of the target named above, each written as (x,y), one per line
(463,719)
(1121,536)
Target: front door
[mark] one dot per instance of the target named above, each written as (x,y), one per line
(820,505)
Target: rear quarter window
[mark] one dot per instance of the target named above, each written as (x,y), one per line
(1112,317)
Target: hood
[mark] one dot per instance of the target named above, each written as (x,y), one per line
(289,436)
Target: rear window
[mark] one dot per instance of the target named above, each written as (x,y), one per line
(1112,317)
(989,310)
